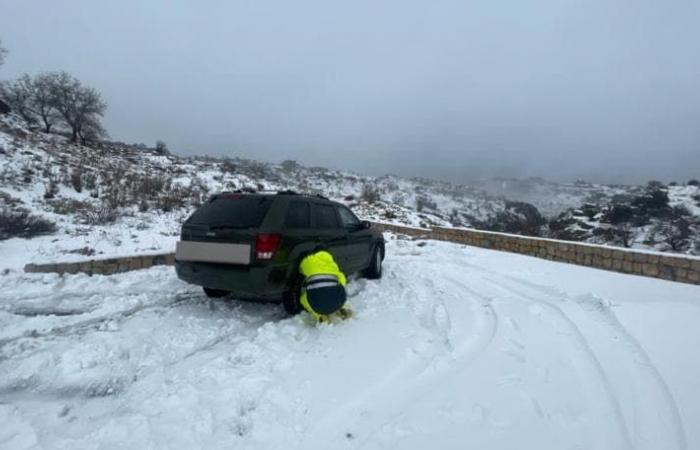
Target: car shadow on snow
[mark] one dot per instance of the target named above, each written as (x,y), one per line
(245,310)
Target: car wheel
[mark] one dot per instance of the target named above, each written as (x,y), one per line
(215,293)
(374,271)
(290,302)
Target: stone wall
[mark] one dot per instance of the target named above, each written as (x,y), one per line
(666,266)
(672,267)
(105,266)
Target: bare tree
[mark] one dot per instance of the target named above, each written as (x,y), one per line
(92,130)
(79,106)
(162,148)
(18,95)
(41,100)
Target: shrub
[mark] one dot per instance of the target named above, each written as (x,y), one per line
(258,171)
(619,213)
(20,223)
(653,203)
(51,189)
(149,186)
(455,218)
(228,166)
(85,251)
(677,233)
(655,185)
(162,148)
(76,179)
(289,165)
(590,210)
(89,181)
(370,194)
(115,196)
(620,234)
(567,228)
(98,215)
(67,206)
(694,182)
(175,198)
(8,201)
(424,202)
(519,218)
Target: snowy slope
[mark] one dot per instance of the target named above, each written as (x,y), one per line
(113,199)
(456,347)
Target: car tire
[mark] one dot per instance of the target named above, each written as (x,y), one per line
(291,303)
(374,271)
(215,293)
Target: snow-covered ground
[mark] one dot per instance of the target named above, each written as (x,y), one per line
(456,347)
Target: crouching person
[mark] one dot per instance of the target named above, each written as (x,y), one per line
(323,288)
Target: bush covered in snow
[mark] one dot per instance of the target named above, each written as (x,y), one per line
(370,194)
(660,217)
(518,218)
(19,222)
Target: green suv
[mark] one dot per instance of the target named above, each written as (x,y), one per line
(249,245)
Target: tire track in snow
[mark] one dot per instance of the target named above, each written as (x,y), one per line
(562,323)
(654,430)
(467,350)
(422,374)
(677,433)
(83,326)
(242,326)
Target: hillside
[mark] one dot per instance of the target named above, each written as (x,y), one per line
(111,198)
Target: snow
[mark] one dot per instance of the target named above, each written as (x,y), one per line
(456,347)
(146,233)
(30,159)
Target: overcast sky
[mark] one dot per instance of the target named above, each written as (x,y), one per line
(606,90)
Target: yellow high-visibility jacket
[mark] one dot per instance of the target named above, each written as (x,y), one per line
(319,263)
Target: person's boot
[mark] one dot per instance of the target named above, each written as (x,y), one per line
(344,313)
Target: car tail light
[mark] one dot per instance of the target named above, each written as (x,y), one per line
(266,245)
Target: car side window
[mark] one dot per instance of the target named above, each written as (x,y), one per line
(325,217)
(347,218)
(298,215)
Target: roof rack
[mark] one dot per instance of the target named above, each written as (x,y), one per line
(240,191)
(284,192)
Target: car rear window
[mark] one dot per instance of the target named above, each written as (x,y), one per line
(325,217)
(232,210)
(298,215)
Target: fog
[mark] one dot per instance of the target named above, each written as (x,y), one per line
(604,90)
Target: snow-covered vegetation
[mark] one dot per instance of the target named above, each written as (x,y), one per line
(111,198)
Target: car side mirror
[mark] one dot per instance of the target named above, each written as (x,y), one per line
(365,225)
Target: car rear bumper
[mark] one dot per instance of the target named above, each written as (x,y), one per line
(259,283)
